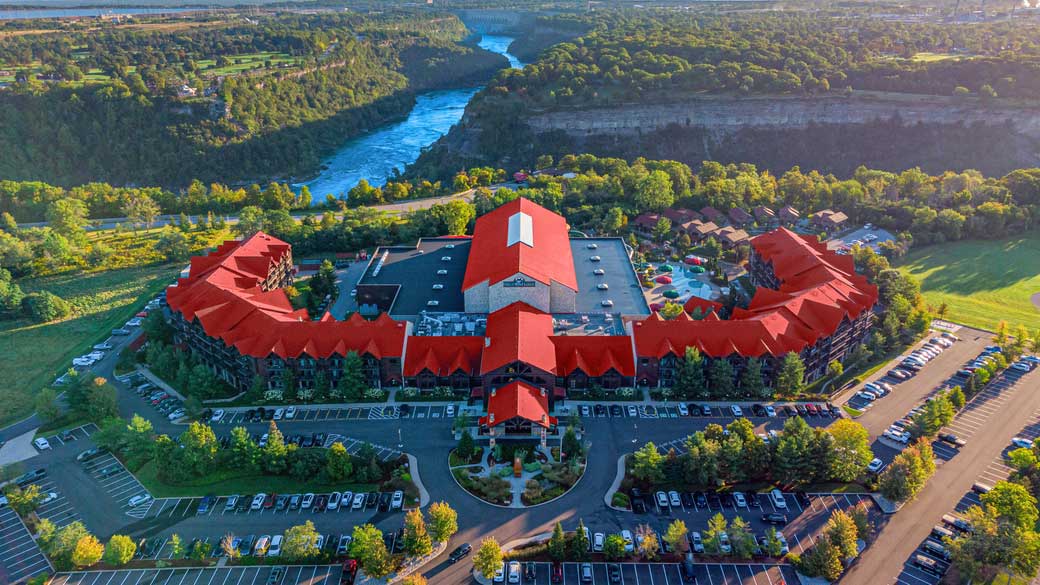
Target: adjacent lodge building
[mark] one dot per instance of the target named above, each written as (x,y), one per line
(518,315)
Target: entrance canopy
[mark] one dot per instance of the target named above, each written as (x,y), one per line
(518,400)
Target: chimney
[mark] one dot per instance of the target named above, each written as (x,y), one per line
(487,342)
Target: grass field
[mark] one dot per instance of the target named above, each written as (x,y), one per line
(927,57)
(35,354)
(982,282)
(232,482)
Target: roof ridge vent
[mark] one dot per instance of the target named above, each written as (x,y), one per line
(520,229)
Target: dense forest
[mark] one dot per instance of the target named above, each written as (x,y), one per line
(633,60)
(231,100)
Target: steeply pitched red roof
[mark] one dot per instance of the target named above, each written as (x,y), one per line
(594,354)
(518,400)
(519,333)
(222,291)
(547,258)
(818,289)
(443,355)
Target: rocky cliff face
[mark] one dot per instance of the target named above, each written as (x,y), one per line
(832,134)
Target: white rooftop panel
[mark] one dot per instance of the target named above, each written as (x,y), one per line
(521,229)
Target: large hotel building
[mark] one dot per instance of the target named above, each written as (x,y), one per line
(520,310)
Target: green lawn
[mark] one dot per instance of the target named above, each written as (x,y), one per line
(981,281)
(927,57)
(233,482)
(241,63)
(35,354)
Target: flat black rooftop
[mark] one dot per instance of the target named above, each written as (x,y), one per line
(618,274)
(415,269)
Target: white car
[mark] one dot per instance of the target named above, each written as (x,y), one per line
(875,465)
(50,497)
(626,536)
(290,413)
(333,503)
(770,411)
(218,414)
(736,410)
(397,501)
(139,499)
(632,410)
(597,542)
(359,501)
(279,413)
(179,413)
(1022,443)
(258,501)
(739,500)
(1021,366)
(683,410)
(305,503)
(662,499)
(449,410)
(103,346)
(96,355)
(83,362)
(500,575)
(514,572)
(41,444)
(276,546)
(674,499)
(724,544)
(135,322)
(696,542)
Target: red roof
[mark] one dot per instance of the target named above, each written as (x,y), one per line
(818,289)
(545,256)
(518,400)
(706,306)
(519,333)
(594,354)
(222,292)
(443,355)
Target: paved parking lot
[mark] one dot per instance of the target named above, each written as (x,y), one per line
(977,415)
(671,574)
(19,555)
(996,471)
(311,414)
(117,481)
(292,575)
(59,510)
(71,435)
(187,507)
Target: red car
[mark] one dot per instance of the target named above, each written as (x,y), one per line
(269,501)
(811,409)
(556,573)
(143,314)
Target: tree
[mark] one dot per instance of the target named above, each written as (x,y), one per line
(956,397)
(444,521)
(655,191)
(273,455)
(717,525)
(647,544)
(352,383)
(570,445)
(790,380)
(1012,502)
(68,217)
(822,560)
(173,245)
(243,452)
(300,542)
(662,228)
(368,548)
(414,579)
(558,543)
(793,457)
(488,558)
(176,546)
(614,547)
(751,383)
(46,405)
(87,552)
(43,307)
(689,379)
(851,450)
(466,446)
(580,544)
(24,500)
(675,536)
(646,464)
(417,541)
(227,544)
(835,369)
(338,465)
(119,550)
(843,534)
(741,539)
(773,547)
(140,209)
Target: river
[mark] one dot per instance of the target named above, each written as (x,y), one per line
(15,14)
(376,155)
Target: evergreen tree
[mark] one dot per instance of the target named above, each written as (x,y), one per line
(722,378)
(689,379)
(751,383)
(558,543)
(790,380)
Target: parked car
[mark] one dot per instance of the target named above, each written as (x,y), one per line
(597,542)
(397,501)
(875,465)
(258,502)
(41,444)
(774,519)
(662,499)
(777,497)
(90,454)
(275,547)
(1021,443)
(696,542)
(736,410)
(460,551)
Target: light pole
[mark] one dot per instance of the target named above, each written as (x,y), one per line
(635,429)
(400,441)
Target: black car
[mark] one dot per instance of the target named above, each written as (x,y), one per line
(405,409)
(307,442)
(261,413)
(639,506)
(693,409)
(267,414)
(803,499)
(529,568)
(801,410)
(246,546)
(388,541)
(281,503)
(952,440)
(758,410)
(600,410)
(616,410)
(90,454)
(835,411)
(319,439)
(753,501)
(714,501)
(243,503)
(702,502)
(614,570)
(687,500)
(774,519)
(371,499)
(320,503)
(459,552)
(384,501)
(636,494)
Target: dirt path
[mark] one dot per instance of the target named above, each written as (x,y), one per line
(1036,300)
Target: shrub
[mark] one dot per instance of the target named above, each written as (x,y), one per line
(620,500)
(44,306)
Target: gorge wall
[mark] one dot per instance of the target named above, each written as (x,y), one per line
(830,133)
